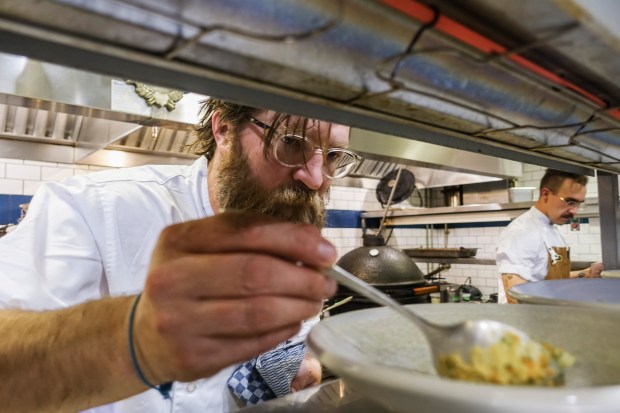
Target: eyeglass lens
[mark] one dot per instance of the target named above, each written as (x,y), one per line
(294,150)
(571,202)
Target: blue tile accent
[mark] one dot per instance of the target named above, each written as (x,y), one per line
(9,207)
(336,218)
(342,218)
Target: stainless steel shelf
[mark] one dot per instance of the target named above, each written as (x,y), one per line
(492,212)
(474,261)
(575,265)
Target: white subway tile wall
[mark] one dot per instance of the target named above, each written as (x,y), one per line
(11,186)
(22,171)
(23,177)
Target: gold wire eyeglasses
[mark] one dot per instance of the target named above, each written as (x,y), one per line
(292,151)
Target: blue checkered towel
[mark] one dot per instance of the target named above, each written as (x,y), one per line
(269,375)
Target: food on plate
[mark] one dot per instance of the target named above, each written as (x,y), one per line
(610,274)
(510,361)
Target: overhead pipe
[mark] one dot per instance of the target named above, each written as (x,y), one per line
(452,28)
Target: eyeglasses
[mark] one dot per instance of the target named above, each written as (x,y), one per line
(571,203)
(292,151)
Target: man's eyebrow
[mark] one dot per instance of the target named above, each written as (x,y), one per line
(573,199)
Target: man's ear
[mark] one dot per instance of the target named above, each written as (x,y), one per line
(220,130)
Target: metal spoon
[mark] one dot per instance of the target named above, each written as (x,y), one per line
(458,338)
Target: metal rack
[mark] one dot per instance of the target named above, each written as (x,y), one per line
(491,212)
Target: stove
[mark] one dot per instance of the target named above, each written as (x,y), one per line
(345,300)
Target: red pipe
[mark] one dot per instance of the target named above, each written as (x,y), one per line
(462,33)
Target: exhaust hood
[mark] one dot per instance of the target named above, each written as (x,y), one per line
(532,81)
(58,114)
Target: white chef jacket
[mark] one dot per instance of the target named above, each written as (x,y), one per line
(522,248)
(92,236)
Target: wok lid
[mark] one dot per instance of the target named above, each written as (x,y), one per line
(381,265)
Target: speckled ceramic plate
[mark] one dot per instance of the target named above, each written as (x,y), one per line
(389,360)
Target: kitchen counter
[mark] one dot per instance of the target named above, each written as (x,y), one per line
(333,396)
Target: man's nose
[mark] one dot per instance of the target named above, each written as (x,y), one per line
(311,174)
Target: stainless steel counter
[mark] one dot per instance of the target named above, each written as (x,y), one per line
(333,396)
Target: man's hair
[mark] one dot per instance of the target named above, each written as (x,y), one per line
(232,113)
(235,115)
(553,179)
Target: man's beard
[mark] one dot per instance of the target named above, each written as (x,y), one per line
(236,187)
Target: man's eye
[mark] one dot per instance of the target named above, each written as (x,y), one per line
(292,142)
(334,156)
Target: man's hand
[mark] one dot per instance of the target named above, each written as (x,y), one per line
(595,270)
(309,374)
(223,289)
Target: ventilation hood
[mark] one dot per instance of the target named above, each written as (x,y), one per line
(57,114)
(530,81)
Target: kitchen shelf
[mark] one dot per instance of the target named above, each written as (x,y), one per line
(574,265)
(492,212)
(474,261)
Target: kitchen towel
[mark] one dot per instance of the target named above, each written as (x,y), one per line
(269,375)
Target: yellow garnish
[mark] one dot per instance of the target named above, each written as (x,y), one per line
(510,362)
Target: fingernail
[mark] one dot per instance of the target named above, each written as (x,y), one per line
(330,287)
(327,251)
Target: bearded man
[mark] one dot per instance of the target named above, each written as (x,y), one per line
(171,288)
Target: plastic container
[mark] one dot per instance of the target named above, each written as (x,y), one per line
(435,298)
(521,194)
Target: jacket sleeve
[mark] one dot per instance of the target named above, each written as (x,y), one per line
(51,259)
(521,252)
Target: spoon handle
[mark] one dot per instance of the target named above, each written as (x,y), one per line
(352,282)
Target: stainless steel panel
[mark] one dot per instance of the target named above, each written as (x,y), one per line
(609,206)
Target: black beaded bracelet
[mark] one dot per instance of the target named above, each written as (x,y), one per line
(164,388)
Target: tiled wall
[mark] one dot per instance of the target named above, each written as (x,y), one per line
(20,178)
